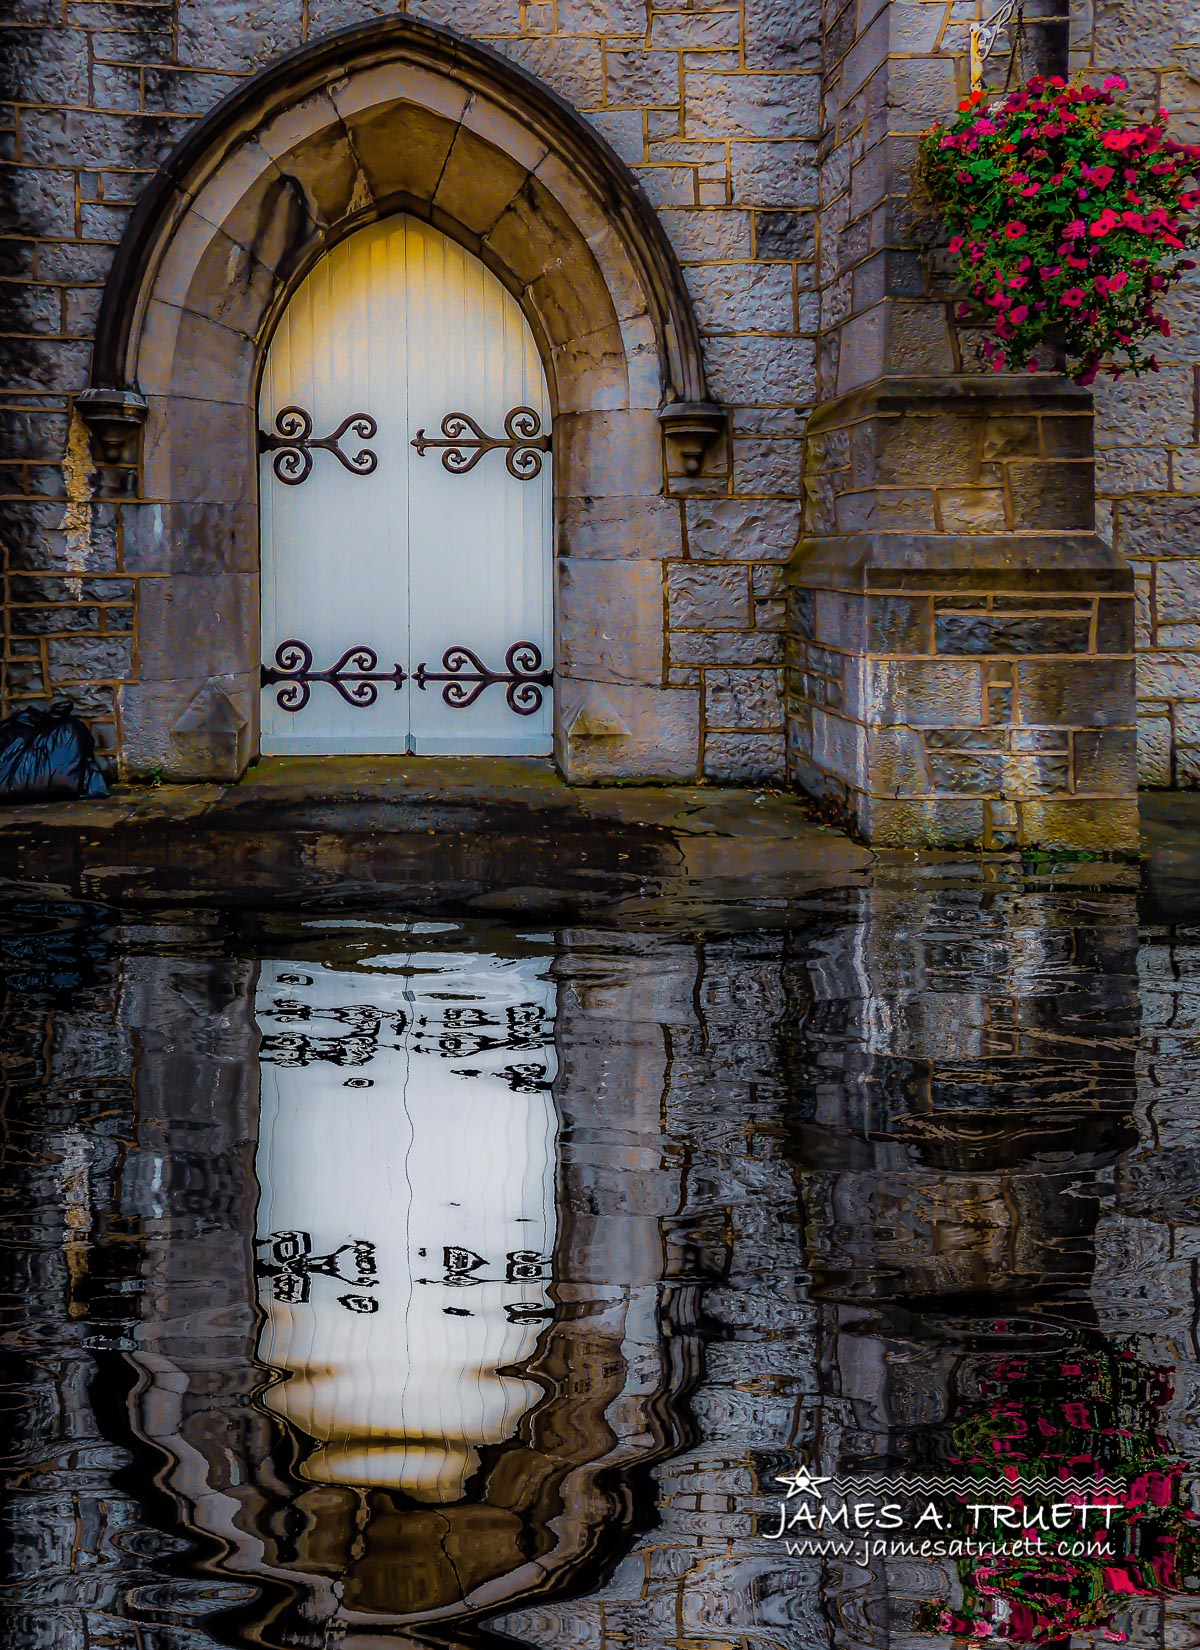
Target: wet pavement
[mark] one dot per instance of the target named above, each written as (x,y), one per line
(376,1277)
(428,833)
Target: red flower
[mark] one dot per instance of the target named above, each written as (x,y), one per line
(956,243)
(1073,297)
(1015,230)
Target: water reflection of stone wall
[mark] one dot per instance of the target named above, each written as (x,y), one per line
(125,1129)
(1147,1282)
(704,1022)
(963,1086)
(847,1159)
(916,1166)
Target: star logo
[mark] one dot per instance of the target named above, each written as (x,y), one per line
(802,1482)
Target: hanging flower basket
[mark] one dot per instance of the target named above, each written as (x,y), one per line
(1070,221)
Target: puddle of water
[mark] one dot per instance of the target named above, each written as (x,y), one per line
(375,1283)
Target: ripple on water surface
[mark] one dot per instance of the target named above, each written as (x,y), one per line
(377,1282)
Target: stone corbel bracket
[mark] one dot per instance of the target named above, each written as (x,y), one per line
(693,426)
(114,419)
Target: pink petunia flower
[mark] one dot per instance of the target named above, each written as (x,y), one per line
(1072,297)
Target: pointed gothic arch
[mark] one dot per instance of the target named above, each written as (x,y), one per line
(394,116)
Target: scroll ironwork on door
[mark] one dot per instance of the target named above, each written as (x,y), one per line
(293,444)
(357,677)
(464,443)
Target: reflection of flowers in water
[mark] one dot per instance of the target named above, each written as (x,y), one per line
(1093,1409)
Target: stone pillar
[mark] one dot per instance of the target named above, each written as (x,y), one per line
(960,667)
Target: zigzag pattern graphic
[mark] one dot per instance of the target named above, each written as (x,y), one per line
(898,1488)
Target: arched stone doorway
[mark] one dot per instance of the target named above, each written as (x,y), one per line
(386,118)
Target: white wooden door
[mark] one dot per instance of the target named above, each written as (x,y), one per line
(392,555)
(406,1162)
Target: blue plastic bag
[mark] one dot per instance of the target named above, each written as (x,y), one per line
(48,754)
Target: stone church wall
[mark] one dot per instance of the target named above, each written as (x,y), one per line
(716,108)
(1148,429)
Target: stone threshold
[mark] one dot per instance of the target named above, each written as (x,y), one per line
(502,835)
(430,832)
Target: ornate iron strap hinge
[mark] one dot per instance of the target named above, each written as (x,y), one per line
(356,675)
(465,443)
(293,445)
(294,672)
(522,673)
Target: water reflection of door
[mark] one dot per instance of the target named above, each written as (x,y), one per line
(407,1165)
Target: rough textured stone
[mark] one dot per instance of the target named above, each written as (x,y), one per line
(709,236)
(602,17)
(762,371)
(572,68)
(774,174)
(977,633)
(725,294)
(757,106)
(743,700)
(782,34)
(708,598)
(1080,693)
(1029,629)
(742,529)
(743,757)
(642,79)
